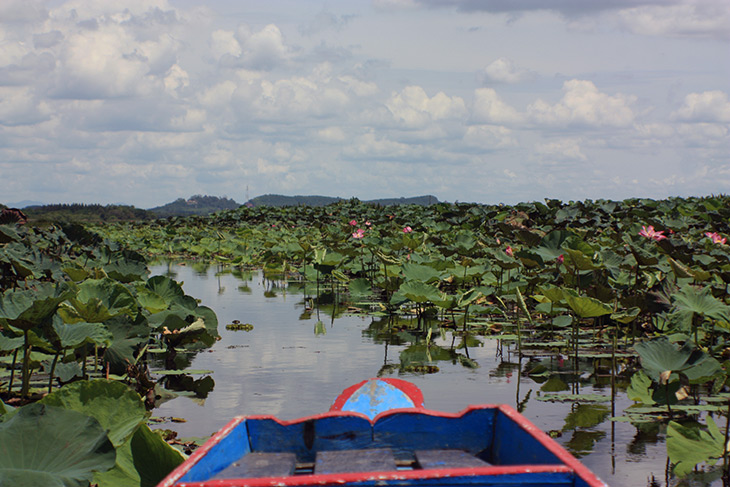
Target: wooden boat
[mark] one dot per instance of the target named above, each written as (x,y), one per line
(378,433)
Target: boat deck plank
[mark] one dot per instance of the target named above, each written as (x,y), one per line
(431,459)
(261,465)
(372,460)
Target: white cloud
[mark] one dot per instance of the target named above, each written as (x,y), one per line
(489,137)
(109,61)
(561,150)
(358,87)
(331,134)
(395,4)
(263,50)
(489,108)
(374,146)
(18,106)
(224,42)
(704,18)
(415,109)
(708,106)
(583,104)
(297,97)
(504,70)
(22,11)
(176,80)
(192,120)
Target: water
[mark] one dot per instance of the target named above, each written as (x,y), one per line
(283,368)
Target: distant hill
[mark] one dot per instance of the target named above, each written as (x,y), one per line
(280,200)
(24,204)
(85,213)
(195,205)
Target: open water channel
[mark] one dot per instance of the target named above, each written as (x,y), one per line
(296,360)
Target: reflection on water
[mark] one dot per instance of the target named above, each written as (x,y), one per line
(303,351)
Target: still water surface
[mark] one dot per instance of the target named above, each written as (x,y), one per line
(282,367)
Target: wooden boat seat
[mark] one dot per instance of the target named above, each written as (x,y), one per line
(431,459)
(342,461)
(261,465)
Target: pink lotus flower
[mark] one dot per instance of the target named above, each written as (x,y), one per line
(561,259)
(716,238)
(509,251)
(407,229)
(649,232)
(353,222)
(359,233)
(367,223)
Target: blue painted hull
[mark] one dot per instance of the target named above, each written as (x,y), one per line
(483,445)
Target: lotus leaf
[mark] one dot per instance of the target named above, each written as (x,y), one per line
(659,356)
(73,335)
(8,234)
(118,409)
(690,299)
(587,307)
(97,301)
(639,389)
(688,445)
(420,292)
(422,273)
(626,316)
(26,308)
(360,288)
(50,446)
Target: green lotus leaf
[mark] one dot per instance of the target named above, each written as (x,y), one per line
(73,335)
(579,260)
(5,409)
(8,234)
(52,447)
(690,299)
(626,316)
(151,301)
(660,355)
(26,308)
(115,406)
(128,337)
(688,445)
(126,266)
(587,307)
(8,344)
(360,288)
(639,389)
(550,247)
(422,273)
(553,294)
(143,461)
(165,288)
(420,292)
(97,301)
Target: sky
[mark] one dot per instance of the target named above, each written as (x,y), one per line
(145,101)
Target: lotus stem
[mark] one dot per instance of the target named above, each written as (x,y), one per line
(726,471)
(12,370)
(53,370)
(25,387)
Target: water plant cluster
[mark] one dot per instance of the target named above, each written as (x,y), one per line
(82,329)
(639,285)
